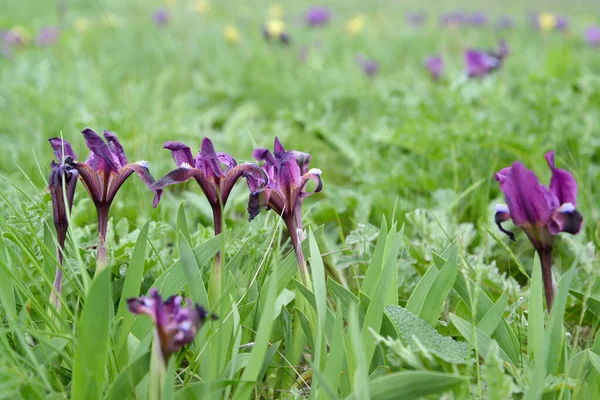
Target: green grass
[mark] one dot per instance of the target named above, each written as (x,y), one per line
(387,305)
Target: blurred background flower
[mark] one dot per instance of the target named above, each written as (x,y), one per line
(355,25)
(504,22)
(81,24)
(317,16)
(161,16)
(435,66)
(232,35)
(592,35)
(202,7)
(369,66)
(47,36)
(415,18)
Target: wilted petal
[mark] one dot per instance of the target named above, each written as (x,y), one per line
(313,174)
(101,152)
(207,160)
(303,159)
(256,203)
(180,152)
(562,184)
(566,219)
(61,148)
(528,201)
(140,168)
(115,147)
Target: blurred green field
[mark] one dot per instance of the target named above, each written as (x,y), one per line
(398,147)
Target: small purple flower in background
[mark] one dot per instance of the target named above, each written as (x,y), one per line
(480,63)
(542,212)
(47,36)
(592,36)
(435,66)
(175,325)
(61,184)
(415,18)
(369,66)
(14,37)
(283,192)
(476,19)
(103,174)
(562,23)
(161,16)
(317,16)
(504,22)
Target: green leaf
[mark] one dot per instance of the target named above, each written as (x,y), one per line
(132,284)
(416,300)
(92,340)
(125,383)
(411,385)
(493,317)
(409,325)
(357,362)
(440,288)
(481,341)
(182,225)
(376,264)
(320,292)
(192,273)
(535,320)
(335,358)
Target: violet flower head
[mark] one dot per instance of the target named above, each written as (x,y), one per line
(480,63)
(284,191)
(161,17)
(542,212)
(103,174)
(562,23)
(47,36)
(13,38)
(453,19)
(476,19)
(415,18)
(592,36)
(504,22)
(176,325)
(215,173)
(369,66)
(435,66)
(317,16)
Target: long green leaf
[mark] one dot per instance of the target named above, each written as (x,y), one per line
(411,385)
(92,340)
(535,323)
(192,272)
(493,317)
(320,292)
(125,383)
(440,288)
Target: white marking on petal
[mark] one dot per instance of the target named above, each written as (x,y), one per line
(185,166)
(501,208)
(315,171)
(142,163)
(567,207)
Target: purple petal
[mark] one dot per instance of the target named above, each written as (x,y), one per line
(226,160)
(101,154)
(140,168)
(435,66)
(529,202)
(255,175)
(566,219)
(562,184)
(181,153)
(278,147)
(184,174)
(262,154)
(317,16)
(503,215)
(207,160)
(61,148)
(115,147)
(303,159)
(68,175)
(479,63)
(90,178)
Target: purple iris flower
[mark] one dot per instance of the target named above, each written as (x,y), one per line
(103,174)
(284,191)
(562,23)
(317,16)
(504,22)
(542,212)
(592,36)
(415,18)
(476,19)
(480,63)
(161,17)
(369,66)
(435,66)
(47,36)
(175,324)
(207,170)
(61,184)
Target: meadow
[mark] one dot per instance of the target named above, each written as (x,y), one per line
(410,290)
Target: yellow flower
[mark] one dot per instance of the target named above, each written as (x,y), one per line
(355,25)
(547,21)
(232,35)
(275,27)
(276,11)
(81,24)
(202,6)
(171,3)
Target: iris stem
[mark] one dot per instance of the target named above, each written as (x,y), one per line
(215,288)
(297,244)
(546,260)
(102,229)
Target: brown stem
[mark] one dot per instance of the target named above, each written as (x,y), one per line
(293,232)
(218,224)
(102,229)
(546,259)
